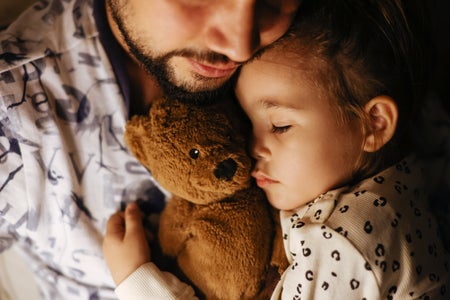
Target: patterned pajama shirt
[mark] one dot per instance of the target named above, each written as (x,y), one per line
(375,240)
(64,167)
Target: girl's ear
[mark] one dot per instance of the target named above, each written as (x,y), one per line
(383,115)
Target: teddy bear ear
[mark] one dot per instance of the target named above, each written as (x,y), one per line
(135,132)
(168,108)
(158,109)
(165,112)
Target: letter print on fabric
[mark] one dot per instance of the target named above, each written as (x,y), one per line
(64,167)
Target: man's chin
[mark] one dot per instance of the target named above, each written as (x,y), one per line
(194,95)
(198,98)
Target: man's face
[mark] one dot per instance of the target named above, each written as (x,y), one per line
(194,46)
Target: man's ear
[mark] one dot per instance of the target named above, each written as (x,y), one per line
(383,116)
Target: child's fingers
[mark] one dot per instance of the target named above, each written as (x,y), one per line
(135,235)
(116,224)
(133,219)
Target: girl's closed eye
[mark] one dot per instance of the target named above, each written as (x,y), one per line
(280,129)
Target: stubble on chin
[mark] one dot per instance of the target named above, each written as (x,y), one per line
(193,87)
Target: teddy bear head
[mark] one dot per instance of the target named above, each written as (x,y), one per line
(197,152)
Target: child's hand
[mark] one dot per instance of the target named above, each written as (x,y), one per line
(125,246)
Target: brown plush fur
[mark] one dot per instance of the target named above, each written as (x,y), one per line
(217,225)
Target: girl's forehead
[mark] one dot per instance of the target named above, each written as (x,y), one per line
(285,59)
(276,67)
(281,56)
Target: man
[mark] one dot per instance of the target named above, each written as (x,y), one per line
(72,72)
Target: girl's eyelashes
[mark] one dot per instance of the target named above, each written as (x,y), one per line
(280,129)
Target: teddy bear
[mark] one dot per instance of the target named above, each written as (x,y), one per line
(217,224)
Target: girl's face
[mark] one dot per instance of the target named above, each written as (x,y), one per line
(301,148)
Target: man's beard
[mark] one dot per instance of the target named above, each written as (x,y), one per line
(159,68)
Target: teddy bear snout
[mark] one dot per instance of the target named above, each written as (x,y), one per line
(226,169)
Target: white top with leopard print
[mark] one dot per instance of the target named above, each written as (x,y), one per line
(374,240)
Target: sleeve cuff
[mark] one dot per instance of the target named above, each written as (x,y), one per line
(148,282)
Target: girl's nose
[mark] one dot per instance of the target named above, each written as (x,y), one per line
(258,149)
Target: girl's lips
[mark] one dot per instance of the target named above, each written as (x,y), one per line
(263,181)
(213,71)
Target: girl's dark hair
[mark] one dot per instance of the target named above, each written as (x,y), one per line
(356,50)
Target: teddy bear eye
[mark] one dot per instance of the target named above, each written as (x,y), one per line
(194,153)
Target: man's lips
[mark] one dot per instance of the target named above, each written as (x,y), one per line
(262,180)
(213,71)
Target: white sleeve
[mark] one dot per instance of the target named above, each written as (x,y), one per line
(148,282)
(326,266)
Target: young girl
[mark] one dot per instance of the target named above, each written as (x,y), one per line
(332,106)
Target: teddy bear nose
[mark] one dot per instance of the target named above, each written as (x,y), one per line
(226,169)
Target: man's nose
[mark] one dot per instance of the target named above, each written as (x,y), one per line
(233,31)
